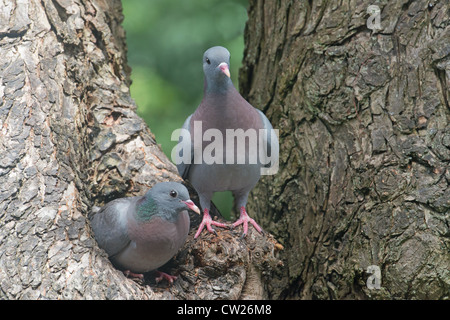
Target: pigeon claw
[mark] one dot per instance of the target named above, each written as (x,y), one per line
(163,275)
(207,222)
(244,219)
(129,274)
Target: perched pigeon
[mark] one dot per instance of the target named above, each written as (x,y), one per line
(222,109)
(141,234)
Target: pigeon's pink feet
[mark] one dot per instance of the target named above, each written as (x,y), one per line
(245,219)
(163,275)
(207,221)
(129,274)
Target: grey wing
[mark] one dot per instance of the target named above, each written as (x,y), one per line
(183,160)
(271,145)
(110,225)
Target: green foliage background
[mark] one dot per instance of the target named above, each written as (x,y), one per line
(166,40)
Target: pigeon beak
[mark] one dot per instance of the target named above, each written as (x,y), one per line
(191,205)
(224,67)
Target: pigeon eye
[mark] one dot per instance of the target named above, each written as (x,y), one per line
(173,193)
(208,61)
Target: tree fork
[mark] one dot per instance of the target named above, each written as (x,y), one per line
(71,139)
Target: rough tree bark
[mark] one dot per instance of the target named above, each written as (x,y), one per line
(365,145)
(71,139)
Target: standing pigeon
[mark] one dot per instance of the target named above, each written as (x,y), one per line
(222,109)
(141,234)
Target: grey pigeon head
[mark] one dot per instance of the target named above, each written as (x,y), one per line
(165,199)
(216,66)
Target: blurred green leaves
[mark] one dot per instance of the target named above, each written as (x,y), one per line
(166,40)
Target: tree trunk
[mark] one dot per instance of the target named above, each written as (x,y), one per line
(71,139)
(365,145)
